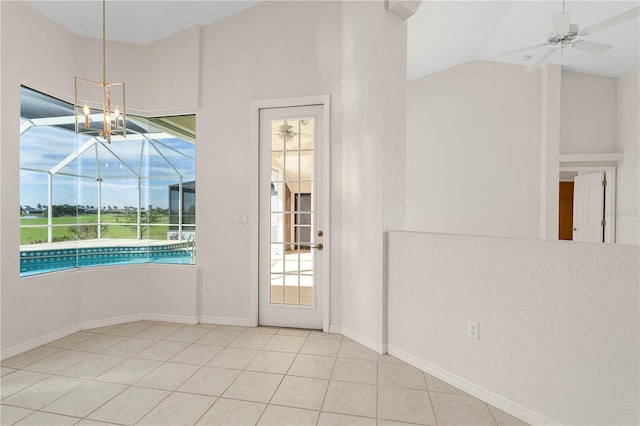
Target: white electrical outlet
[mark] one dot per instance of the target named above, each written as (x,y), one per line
(205,284)
(473,330)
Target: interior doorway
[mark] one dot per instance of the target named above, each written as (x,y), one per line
(586,205)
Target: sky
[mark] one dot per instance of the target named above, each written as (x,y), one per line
(42,148)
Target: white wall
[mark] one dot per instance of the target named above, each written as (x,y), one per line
(628,187)
(374,61)
(550,94)
(394,90)
(111,293)
(162,78)
(273,50)
(600,115)
(173,85)
(483,145)
(473,148)
(588,114)
(32,307)
(41,308)
(226,66)
(558,321)
(171,293)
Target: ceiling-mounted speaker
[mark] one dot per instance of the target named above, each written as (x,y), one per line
(403,9)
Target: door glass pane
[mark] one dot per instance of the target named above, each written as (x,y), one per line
(277,288)
(292,157)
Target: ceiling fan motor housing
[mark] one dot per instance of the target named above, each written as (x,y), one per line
(555,38)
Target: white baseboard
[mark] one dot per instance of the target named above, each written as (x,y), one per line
(181,319)
(363,340)
(38,341)
(105,322)
(335,329)
(498,401)
(242,322)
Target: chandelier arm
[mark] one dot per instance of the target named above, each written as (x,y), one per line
(104,41)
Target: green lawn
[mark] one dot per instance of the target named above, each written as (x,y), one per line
(119,227)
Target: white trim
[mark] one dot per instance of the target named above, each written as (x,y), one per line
(180,319)
(150,113)
(50,91)
(326,175)
(591,158)
(254,186)
(610,198)
(69,98)
(105,322)
(498,401)
(363,340)
(38,341)
(241,322)
(335,329)
(254,202)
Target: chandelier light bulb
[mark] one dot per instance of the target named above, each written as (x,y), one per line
(116,113)
(87,111)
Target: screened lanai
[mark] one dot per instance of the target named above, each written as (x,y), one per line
(81,188)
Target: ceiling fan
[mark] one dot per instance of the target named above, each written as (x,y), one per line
(566,34)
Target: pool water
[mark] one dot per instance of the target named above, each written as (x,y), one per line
(34,262)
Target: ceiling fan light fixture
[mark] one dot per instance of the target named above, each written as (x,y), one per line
(572,32)
(565,34)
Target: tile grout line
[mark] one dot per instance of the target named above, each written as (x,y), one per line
(200,367)
(281,380)
(378,390)
(495,421)
(433,408)
(129,386)
(207,410)
(234,380)
(89,381)
(333,368)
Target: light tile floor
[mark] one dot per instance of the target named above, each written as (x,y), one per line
(151,373)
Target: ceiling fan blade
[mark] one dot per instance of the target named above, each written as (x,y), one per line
(560,22)
(540,61)
(524,49)
(614,20)
(591,46)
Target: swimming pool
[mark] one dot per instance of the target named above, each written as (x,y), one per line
(35,261)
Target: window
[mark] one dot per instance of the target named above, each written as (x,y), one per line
(86,202)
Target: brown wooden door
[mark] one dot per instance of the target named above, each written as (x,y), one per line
(565,219)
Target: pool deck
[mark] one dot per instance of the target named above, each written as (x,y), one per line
(103,242)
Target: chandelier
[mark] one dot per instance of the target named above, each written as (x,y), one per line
(111,121)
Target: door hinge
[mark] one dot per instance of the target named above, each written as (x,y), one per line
(604,182)
(603,223)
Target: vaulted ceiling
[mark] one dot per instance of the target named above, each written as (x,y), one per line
(442,34)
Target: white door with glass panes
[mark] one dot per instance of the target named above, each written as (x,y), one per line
(291,249)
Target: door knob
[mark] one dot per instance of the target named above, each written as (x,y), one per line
(318,247)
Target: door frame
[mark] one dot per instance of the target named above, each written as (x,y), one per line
(254,190)
(610,195)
